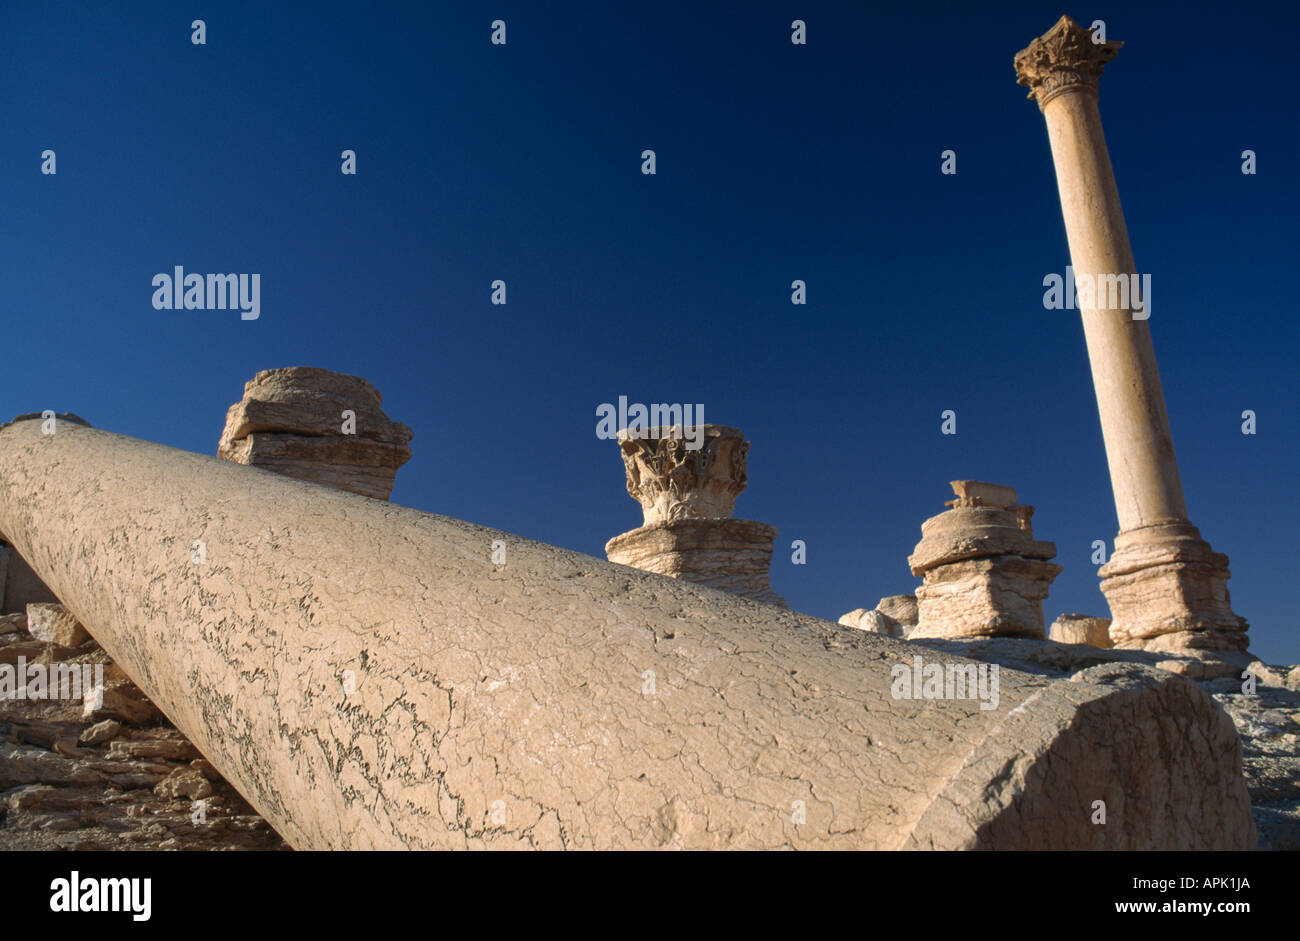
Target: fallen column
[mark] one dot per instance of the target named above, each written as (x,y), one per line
(368,677)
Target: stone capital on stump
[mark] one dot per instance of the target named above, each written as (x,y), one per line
(1167,589)
(687,497)
(984,573)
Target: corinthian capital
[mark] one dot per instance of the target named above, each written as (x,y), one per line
(1063,58)
(673,482)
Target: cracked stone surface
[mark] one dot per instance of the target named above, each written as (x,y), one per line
(366,677)
(1267,720)
(119,778)
(687,498)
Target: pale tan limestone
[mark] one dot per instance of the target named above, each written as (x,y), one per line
(984,573)
(872,621)
(687,498)
(291,421)
(730,555)
(512,706)
(55,624)
(671,481)
(902,608)
(1081,629)
(1165,586)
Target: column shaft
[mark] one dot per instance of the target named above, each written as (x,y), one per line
(1134,423)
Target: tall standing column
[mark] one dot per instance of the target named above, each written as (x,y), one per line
(1166,588)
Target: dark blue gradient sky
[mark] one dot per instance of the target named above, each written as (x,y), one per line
(775,162)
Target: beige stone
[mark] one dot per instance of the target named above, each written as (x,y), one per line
(687,497)
(291,421)
(873,622)
(730,555)
(1165,586)
(852,618)
(100,732)
(55,624)
(671,481)
(984,573)
(1081,629)
(902,608)
(369,678)
(895,616)
(978,493)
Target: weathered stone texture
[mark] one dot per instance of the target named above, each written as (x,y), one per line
(118,778)
(902,608)
(291,421)
(1081,629)
(672,482)
(1168,590)
(687,498)
(530,684)
(731,555)
(55,624)
(873,622)
(984,573)
(1266,714)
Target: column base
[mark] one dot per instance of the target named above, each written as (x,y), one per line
(991,597)
(1168,590)
(731,555)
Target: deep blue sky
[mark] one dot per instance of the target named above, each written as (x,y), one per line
(775,162)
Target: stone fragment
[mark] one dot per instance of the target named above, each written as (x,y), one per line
(13,623)
(978,493)
(292,421)
(1081,629)
(184,782)
(127,704)
(879,623)
(984,573)
(852,618)
(28,650)
(174,748)
(902,608)
(687,497)
(872,621)
(100,732)
(55,624)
